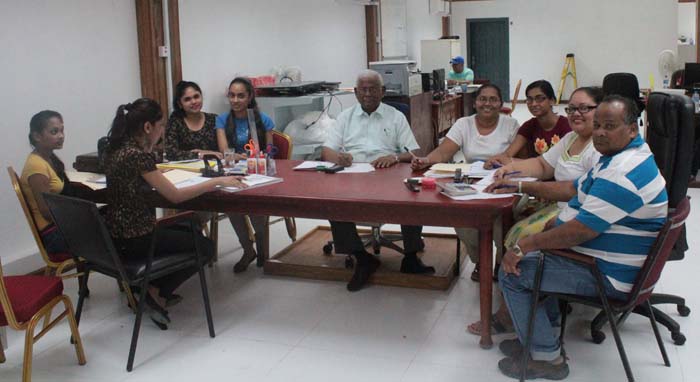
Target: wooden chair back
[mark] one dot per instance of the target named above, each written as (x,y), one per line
(283,142)
(21,196)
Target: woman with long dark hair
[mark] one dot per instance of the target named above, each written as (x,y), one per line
(190,132)
(540,132)
(44,172)
(233,132)
(130,167)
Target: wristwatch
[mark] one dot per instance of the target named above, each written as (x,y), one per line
(517,251)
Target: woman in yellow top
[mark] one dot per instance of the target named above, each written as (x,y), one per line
(44,172)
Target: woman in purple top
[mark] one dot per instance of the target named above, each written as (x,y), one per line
(539,133)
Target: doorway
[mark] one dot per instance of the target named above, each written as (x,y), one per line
(488,51)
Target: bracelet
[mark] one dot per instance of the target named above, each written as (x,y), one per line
(396,157)
(520,187)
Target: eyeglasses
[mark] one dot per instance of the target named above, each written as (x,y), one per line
(538,99)
(582,109)
(484,99)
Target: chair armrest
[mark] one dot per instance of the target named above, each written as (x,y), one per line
(172,219)
(572,255)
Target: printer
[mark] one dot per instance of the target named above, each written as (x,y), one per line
(400,77)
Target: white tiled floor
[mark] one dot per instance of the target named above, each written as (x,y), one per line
(283,329)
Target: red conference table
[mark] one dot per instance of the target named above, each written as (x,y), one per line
(377,196)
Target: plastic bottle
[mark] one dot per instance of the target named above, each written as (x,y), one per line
(666,82)
(262,164)
(252,164)
(696,101)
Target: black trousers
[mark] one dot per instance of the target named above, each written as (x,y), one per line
(346,239)
(171,240)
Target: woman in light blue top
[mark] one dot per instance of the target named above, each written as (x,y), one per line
(232,127)
(232,132)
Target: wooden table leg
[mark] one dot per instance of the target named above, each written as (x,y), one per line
(485,284)
(262,257)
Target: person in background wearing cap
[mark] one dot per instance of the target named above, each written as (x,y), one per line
(459,74)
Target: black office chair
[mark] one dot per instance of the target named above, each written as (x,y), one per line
(88,238)
(624,84)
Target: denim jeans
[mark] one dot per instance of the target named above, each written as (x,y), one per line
(560,275)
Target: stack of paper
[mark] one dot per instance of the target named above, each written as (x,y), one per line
(355,168)
(192,165)
(474,170)
(90,179)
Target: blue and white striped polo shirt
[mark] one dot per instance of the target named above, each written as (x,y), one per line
(623,197)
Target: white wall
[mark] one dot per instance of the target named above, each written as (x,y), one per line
(220,39)
(606,36)
(78,57)
(686,20)
(421,25)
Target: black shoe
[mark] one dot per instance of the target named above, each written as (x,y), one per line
(242,264)
(157,312)
(413,264)
(511,348)
(363,270)
(475,273)
(160,325)
(172,300)
(535,369)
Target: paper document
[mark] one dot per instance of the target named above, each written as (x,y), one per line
(477,170)
(437,175)
(193,165)
(450,167)
(253,181)
(176,176)
(92,180)
(357,168)
(312,164)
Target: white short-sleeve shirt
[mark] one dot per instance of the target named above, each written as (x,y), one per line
(370,136)
(570,167)
(481,147)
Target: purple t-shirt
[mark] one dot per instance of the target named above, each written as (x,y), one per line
(540,140)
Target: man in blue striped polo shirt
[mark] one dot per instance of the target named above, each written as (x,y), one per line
(615,213)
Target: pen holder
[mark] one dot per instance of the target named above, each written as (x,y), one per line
(271,167)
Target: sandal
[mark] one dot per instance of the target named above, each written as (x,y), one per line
(497,327)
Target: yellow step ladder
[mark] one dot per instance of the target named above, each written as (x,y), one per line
(569,69)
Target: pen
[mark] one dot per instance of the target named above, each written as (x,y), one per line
(511,173)
(409,151)
(505,186)
(496,165)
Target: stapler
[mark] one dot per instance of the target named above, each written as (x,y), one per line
(210,172)
(412,184)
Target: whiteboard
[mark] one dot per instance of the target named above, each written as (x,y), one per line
(393,27)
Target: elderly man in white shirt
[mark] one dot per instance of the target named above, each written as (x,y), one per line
(376,133)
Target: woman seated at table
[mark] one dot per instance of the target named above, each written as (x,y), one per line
(130,167)
(540,132)
(568,159)
(479,137)
(232,132)
(45,172)
(190,132)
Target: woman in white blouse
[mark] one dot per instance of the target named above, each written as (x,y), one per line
(479,137)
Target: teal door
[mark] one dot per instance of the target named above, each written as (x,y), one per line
(488,51)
